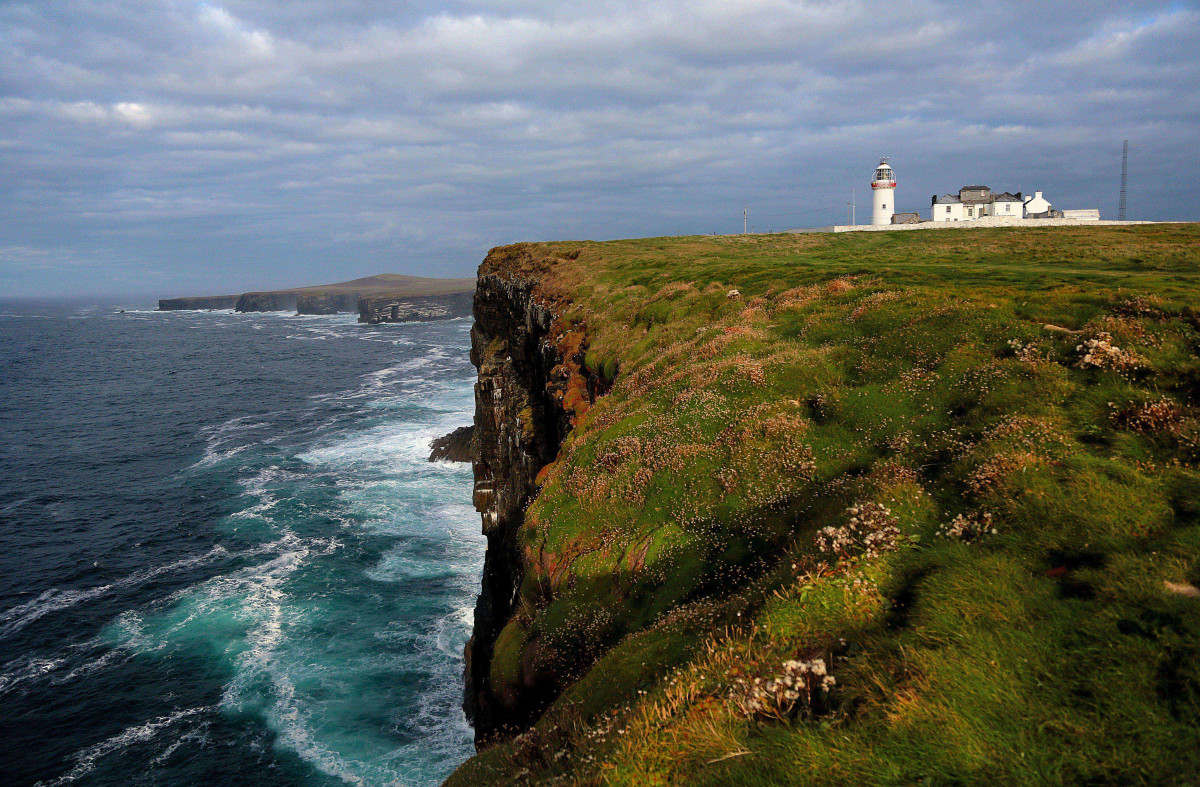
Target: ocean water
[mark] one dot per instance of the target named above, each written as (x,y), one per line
(224,557)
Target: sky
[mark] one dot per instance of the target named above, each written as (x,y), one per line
(184,148)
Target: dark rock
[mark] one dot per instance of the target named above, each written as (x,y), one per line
(454,447)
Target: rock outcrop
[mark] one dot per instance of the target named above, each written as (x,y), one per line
(454,447)
(400,308)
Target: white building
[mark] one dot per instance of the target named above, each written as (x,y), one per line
(1038,207)
(883,191)
(975,202)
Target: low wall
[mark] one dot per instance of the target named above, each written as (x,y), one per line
(986,221)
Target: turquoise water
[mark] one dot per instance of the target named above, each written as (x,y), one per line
(225,554)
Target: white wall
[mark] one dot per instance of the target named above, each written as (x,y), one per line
(883,205)
(1013,209)
(1036,204)
(954,214)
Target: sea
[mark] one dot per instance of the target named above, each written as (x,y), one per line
(224,556)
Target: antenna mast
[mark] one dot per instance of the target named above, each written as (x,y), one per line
(1124,179)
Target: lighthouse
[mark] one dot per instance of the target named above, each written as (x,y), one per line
(883,189)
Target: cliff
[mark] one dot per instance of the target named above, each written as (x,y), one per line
(519,425)
(327,303)
(862,508)
(267,302)
(394,307)
(201,303)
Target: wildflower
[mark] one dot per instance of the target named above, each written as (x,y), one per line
(971,527)
(871,528)
(1101,353)
(799,686)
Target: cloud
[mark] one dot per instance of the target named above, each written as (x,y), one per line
(262,143)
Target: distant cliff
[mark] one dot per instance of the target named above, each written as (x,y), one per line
(267,302)
(400,299)
(400,308)
(202,302)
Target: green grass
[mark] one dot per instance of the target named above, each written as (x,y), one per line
(911,370)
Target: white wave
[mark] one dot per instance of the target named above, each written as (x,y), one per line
(396,566)
(198,735)
(85,760)
(228,439)
(94,665)
(53,600)
(25,669)
(16,503)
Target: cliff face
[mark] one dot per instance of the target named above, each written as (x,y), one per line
(327,303)
(266,302)
(519,425)
(399,308)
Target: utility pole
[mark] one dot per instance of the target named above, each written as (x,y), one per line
(1124,179)
(745,218)
(853,207)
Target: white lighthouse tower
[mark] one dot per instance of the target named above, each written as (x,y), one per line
(883,189)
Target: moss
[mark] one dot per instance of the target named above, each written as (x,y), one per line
(507,656)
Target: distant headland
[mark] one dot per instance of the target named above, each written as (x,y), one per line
(387,297)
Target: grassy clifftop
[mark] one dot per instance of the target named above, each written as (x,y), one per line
(878,508)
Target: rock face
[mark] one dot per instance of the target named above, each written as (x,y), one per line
(328,303)
(519,426)
(392,308)
(454,447)
(267,302)
(204,302)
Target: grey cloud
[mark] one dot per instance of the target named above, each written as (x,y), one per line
(247,143)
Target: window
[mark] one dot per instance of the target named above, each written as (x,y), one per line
(884,205)
(947,208)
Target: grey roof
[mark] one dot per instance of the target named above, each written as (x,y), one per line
(983,199)
(946,199)
(1007,197)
